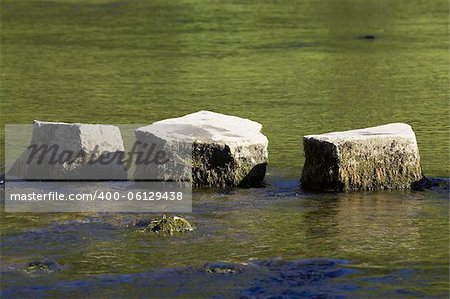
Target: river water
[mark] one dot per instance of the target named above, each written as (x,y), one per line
(297,67)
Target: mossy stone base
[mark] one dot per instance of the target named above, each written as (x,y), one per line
(384,157)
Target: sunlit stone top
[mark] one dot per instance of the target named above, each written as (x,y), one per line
(394,130)
(207,126)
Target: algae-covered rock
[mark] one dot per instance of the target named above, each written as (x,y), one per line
(165,225)
(383,157)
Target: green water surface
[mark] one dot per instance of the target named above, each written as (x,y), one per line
(297,67)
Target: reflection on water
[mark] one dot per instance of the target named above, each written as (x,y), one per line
(380,234)
(297,67)
(313,278)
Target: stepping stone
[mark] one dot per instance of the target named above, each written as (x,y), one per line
(383,157)
(224,150)
(72,151)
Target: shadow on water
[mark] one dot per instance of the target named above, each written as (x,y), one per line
(218,280)
(327,244)
(312,278)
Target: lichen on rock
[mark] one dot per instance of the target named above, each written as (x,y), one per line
(383,157)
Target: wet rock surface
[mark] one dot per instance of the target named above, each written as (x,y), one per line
(163,225)
(223,268)
(42,267)
(430,183)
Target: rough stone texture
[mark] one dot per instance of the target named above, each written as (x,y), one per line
(225,150)
(383,157)
(79,150)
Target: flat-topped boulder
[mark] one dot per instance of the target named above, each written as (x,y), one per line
(72,151)
(224,150)
(383,157)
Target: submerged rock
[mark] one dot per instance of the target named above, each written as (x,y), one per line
(42,267)
(224,150)
(383,157)
(430,183)
(165,225)
(368,36)
(223,268)
(72,151)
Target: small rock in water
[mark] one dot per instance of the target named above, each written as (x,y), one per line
(165,225)
(430,183)
(42,267)
(141,223)
(368,36)
(222,268)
